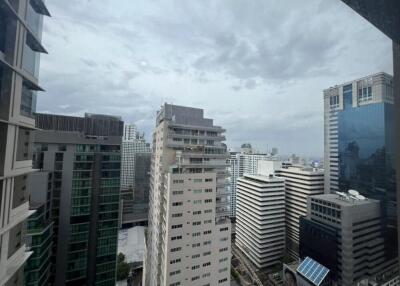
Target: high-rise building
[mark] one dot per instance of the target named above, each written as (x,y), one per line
(130,132)
(260,221)
(235,171)
(384,14)
(188,239)
(359,145)
(300,183)
(20,48)
(40,229)
(344,232)
(135,178)
(83,153)
(130,148)
(240,163)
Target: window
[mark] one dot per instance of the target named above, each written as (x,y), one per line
(208,201)
(207,221)
(334,101)
(176,272)
(194,267)
(197,191)
(175,204)
(223,259)
(196,256)
(176,237)
(175,261)
(208,211)
(209,180)
(222,280)
(175,226)
(176,249)
(177,215)
(223,229)
(196,223)
(196,202)
(177,192)
(207,232)
(208,190)
(196,212)
(196,234)
(197,180)
(207,242)
(177,181)
(222,270)
(206,264)
(224,239)
(23,148)
(223,249)
(175,284)
(206,253)
(194,245)
(195,278)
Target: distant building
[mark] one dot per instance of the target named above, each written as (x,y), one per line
(260,222)
(84,155)
(188,239)
(40,229)
(130,132)
(300,183)
(245,162)
(344,232)
(20,48)
(135,178)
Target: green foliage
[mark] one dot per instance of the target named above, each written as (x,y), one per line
(123,268)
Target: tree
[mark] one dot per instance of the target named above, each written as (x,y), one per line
(123,268)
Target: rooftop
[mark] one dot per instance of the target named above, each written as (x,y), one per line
(343,201)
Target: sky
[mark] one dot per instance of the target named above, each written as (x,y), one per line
(257,67)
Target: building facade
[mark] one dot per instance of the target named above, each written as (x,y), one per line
(240,163)
(300,183)
(40,229)
(345,233)
(20,48)
(360,145)
(130,132)
(84,155)
(188,239)
(260,222)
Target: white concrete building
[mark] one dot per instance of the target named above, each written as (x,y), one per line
(260,221)
(20,48)
(188,239)
(300,183)
(130,148)
(130,132)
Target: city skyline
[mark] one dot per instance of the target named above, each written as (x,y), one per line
(217,69)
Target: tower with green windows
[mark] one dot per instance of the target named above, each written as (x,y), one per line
(84,154)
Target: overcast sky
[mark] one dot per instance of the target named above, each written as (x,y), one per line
(258,67)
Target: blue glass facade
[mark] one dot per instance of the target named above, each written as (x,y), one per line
(366,157)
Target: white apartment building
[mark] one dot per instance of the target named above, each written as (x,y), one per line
(300,183)
(130,132)
(241,163)
(131,147)
(188,239)
(20,47)
(260,218)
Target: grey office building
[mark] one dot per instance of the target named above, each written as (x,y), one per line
(84,156)
(20,48)
(345,233)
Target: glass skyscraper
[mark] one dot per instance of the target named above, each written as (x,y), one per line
(360,148)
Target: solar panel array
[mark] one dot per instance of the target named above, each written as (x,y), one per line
(312,271)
